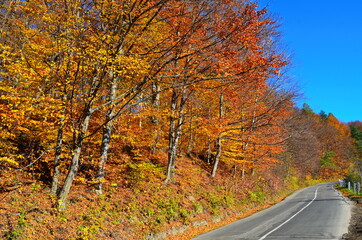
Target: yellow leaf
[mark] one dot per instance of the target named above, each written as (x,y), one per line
(8,160)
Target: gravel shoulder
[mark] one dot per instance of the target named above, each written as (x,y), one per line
(355,226)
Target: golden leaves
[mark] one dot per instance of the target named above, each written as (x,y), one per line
(8,160)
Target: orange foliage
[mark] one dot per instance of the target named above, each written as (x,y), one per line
(162,89)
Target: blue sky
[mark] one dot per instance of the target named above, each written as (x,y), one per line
(324,38)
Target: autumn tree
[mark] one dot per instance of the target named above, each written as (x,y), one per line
(303,144)
(247,67)
(336,148)
(356,134)
(148,82)
(88,56)
(320,145)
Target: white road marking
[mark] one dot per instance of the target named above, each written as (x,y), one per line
(315,196)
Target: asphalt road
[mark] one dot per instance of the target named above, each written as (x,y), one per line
(317,212)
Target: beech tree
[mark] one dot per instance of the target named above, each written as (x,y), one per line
(89,48)
(248,66)
(150,82)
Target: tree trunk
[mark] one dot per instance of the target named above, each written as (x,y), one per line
(63,194)
(217,157)
(208,150)
(156,89)
(58,151)
(106,139)
(172,137)
(176,122)
(218,141)
(234,170)
(190,142)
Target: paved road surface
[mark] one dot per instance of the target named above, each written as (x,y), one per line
(317,212)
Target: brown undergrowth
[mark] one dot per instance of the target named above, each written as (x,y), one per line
(136,203)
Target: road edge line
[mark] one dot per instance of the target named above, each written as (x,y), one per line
(286,221)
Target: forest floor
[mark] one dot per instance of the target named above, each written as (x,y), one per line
(136,203)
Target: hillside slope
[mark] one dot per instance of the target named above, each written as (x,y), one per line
(136,203)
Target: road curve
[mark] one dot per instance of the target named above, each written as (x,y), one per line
(313,213)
